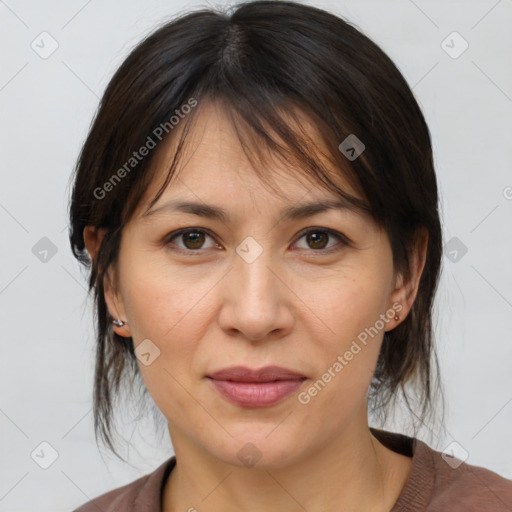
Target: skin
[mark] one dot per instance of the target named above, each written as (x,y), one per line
(295,306)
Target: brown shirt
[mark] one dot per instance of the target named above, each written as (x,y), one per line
(433,485)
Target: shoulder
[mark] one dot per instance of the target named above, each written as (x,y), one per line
(438,482)
(457,486)
(115,499)
(143,493)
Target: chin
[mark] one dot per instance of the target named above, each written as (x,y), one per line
(255,448)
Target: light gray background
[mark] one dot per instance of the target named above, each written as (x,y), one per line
(46,319)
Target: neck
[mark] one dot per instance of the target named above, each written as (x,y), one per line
(353,471)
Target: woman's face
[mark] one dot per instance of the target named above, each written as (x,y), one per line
(254,289)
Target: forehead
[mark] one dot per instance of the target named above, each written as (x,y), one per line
(219,160)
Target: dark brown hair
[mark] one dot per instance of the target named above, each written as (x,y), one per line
(264,62)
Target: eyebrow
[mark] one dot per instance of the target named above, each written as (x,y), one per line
(301,211)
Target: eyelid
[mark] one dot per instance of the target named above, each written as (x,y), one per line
(174,234)
(345,240)
(337,234)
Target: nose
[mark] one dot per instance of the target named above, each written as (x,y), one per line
(256,301)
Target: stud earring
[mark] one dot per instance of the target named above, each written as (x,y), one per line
(119,323)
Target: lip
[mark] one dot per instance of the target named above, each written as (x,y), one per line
(265,374)
(256,388)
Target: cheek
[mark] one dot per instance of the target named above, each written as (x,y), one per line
(173,316)
(173,310)
(349,336)
(162,299)
(343,306)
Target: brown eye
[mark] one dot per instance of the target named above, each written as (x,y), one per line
(318,240)
(191,239)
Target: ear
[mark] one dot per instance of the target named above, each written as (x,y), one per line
(92,239)
(405,291)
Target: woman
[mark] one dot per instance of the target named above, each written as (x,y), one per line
(258,204)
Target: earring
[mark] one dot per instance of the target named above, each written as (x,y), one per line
(119,323)
(397,317)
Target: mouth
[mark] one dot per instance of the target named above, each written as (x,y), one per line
(266,374)
(256,387)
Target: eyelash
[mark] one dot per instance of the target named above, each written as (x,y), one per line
(345,241)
